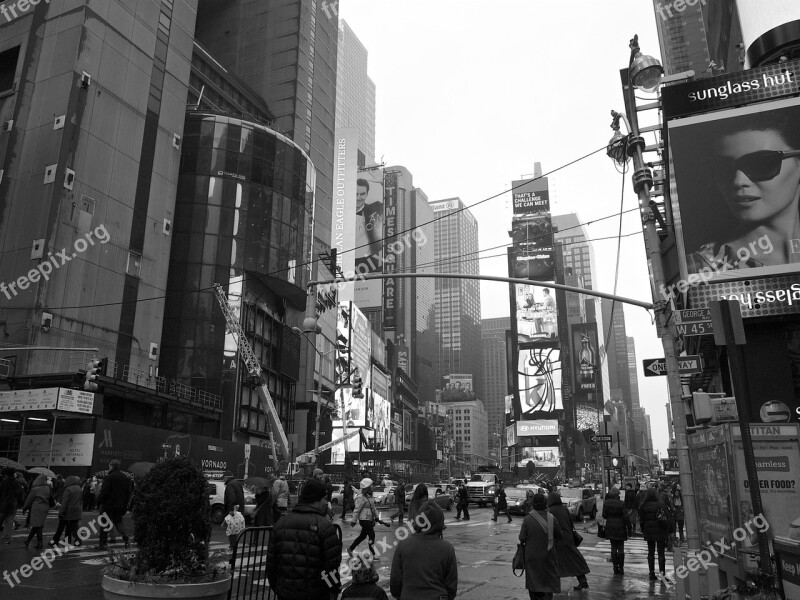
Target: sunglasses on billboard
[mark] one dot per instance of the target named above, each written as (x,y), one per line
(758,166)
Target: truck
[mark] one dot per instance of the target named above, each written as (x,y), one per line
(482,487)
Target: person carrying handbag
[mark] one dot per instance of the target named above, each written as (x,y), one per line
(366,514)
(570,560)
(617,527)
(538,536)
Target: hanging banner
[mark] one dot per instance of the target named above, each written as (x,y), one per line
(369,244)
(585,349)
(390,264)
(343,228)
(60,450)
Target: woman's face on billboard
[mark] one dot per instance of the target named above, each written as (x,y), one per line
(757,187)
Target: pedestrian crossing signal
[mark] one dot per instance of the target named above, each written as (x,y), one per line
(616,462)
(93,371)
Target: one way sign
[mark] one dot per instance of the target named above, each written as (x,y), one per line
(653,367)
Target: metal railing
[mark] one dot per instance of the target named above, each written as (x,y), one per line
(249,565)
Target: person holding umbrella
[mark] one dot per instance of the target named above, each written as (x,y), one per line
(40,501)
(10,498)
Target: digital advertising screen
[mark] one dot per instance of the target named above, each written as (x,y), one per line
(536,315)
(539,380)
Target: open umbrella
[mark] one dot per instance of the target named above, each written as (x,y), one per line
(140,469)
(7,463)
(106,472)
(42,471)
(256,482)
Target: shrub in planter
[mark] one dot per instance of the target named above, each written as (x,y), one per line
(172,528)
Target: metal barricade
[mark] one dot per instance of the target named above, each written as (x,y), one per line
(249,565)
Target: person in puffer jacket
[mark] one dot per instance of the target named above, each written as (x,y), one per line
(70,513)
(305,549)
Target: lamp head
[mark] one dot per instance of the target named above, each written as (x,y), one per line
(310,325)
(645,71)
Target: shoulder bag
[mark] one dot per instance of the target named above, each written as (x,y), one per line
(577,537)
(518,562)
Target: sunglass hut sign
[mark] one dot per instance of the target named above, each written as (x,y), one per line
(725,91)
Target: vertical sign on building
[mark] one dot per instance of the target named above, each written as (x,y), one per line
(586,357)
(343,228)
(390,285)
(369,245)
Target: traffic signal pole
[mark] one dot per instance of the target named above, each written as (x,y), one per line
(642,183)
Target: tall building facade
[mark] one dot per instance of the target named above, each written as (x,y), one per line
(494,386)
(286,51)
(469,427)
(458,301)
(692,36)
(355,92)
(618,367)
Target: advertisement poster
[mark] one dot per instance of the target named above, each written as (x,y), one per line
(60,450)
(539,380)
(343,227)
(396,441)
(536,315)
(532,231)
(457,387)
(353,347)
(338,451)
(370,219)
(511,436)
(406,430)
(778,465)
(541,457)
(586,352)
(712,486)
(730,184)
(382,409)
(360,346)
(538,265)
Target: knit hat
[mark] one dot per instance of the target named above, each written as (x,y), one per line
(318,472)
(313,490)
(365,483)
(539,502)
(365,573)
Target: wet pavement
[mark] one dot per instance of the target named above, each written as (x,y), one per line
(484,550)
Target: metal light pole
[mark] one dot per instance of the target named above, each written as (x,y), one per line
(642,183)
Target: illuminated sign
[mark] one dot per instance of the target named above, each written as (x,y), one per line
(537,428)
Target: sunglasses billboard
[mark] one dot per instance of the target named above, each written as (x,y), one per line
(758,166)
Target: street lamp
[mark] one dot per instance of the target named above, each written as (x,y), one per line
(645,71)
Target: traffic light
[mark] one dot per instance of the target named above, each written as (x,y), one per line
(616,462)
(93,371)
(358,391)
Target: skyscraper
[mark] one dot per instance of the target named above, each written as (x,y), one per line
(458,301)
(618,366)
(576,249)
(494,386)
(355,93)
(286,51)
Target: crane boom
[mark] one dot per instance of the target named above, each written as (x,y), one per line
(254,368)
(330,444)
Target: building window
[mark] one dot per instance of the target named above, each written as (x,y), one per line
(8,69)
(134,264)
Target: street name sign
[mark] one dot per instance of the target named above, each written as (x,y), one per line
(687,365)
(603,438)
(694,321)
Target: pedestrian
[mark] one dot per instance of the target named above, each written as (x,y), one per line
(363,585)
(631,510)
(305,550)
(39,502)
(10,498)
(617,527)
(463,502)
(234,525)
(366,514)
(280,490)
(419,496)
(70,513)
(347,498)
(424,563)
(500,504)
(263,517)
(677,503)
(570,560)
(329,496)
(234,493)
(666,497)
(95,490)
(20,478)
(640,494)
(58,488)
(540,531)
(400,501)
(655,531)
(86,491)
(113,500)
(529,501)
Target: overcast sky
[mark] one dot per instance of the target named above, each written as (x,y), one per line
(470,94)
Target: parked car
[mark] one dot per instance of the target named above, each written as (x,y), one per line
(383,496)
(579,502)
(216,498)
(445,487)
(442,498)
(338,494)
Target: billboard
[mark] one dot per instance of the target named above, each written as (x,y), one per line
(338,451)
(382,408)
(406,430)
(711,473)
(536,315)
(537,427)
(532,202)
(532,231)
(343,227)
(369,228)
(445,205)
(396,441)
(586,356)
(511,436)
(546,456)
(457,387)
(539,380)
(353,349)
(735,189)
(390,264)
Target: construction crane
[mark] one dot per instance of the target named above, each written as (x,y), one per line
(254,368)
(302,458)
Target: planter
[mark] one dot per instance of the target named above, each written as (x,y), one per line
(117,589)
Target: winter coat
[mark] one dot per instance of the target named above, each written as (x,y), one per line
(570,560)
(303,546)
(72,500)
(11,496)
(347,493)
(280,490)
(115,492)
(648,517)
(400,495)
(500,500)
(263,514)
(424,565)
(463,496)
(58,488)
(614,512)
(234,495)
(630,499)
(677,502)
(365,509)
(39,501)
(541,564)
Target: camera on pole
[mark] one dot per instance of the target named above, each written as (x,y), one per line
(94,369)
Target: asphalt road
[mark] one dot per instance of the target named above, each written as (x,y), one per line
(484,550)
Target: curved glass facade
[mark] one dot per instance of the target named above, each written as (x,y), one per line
(243,218)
